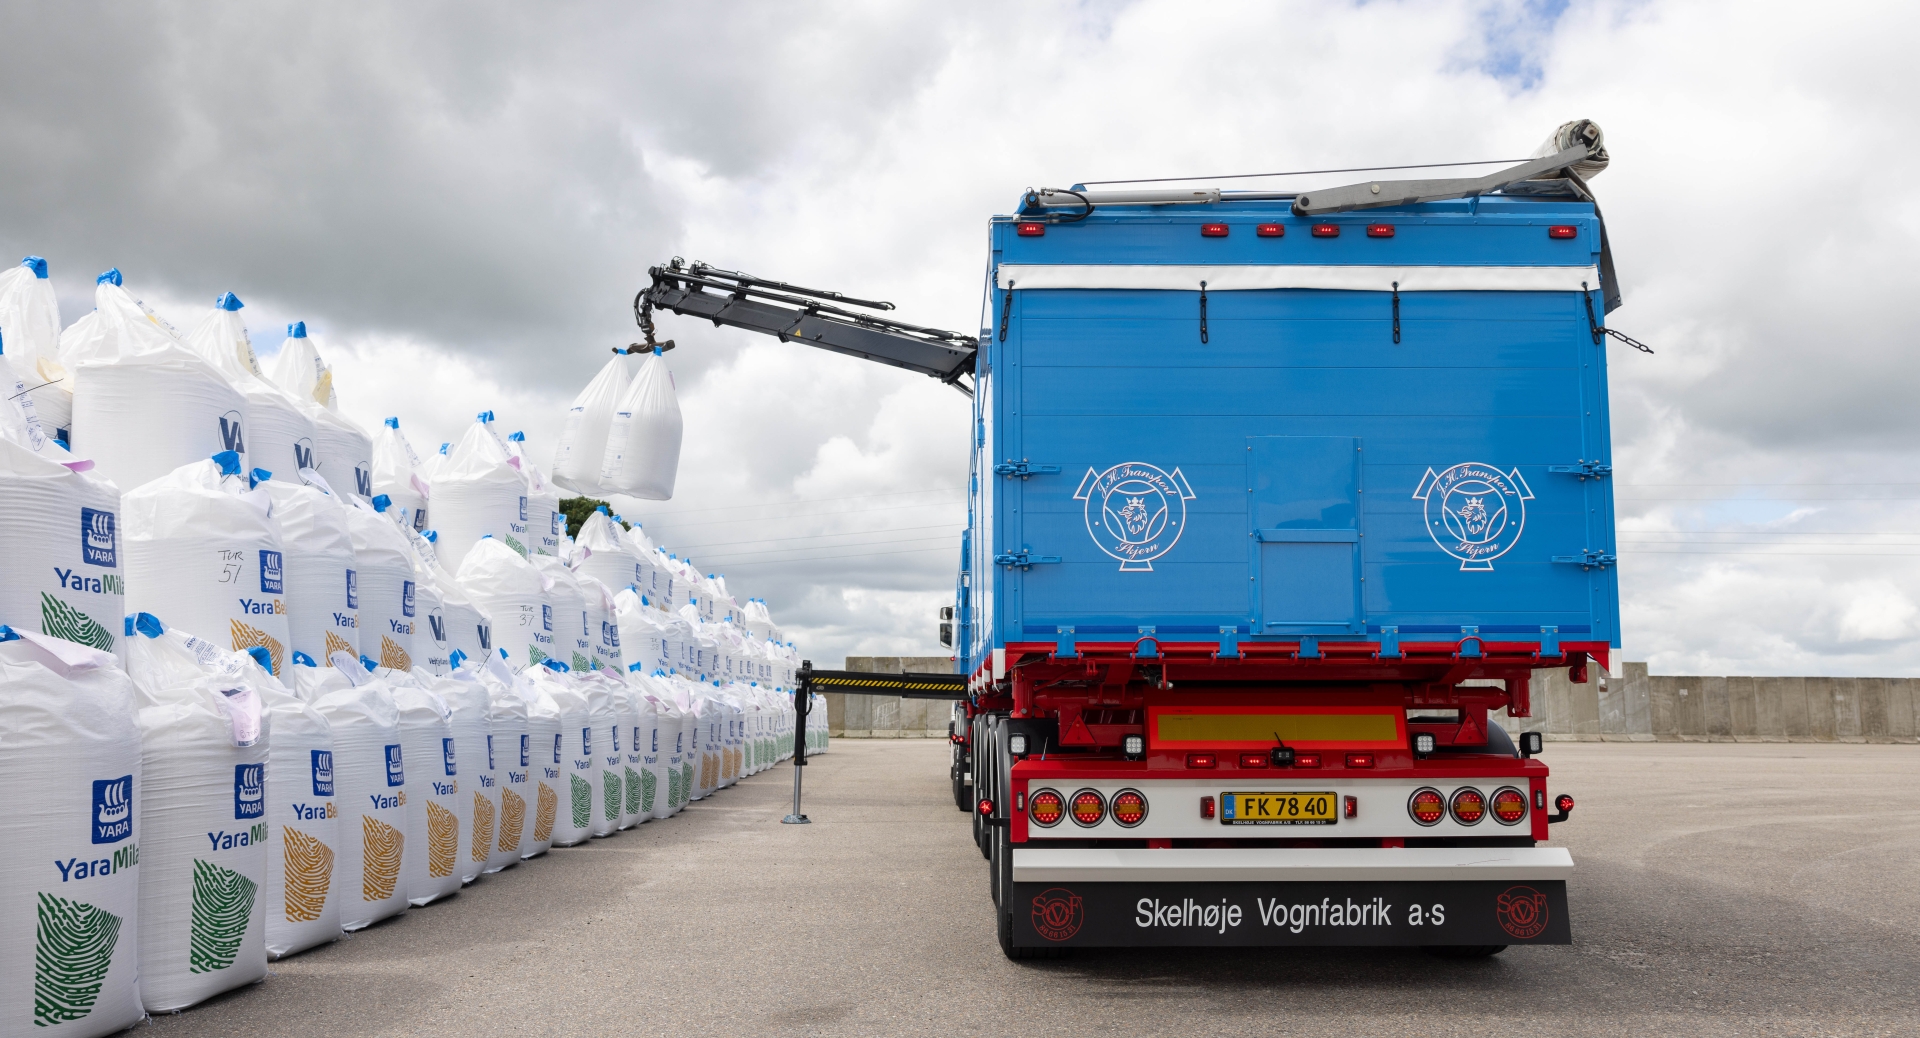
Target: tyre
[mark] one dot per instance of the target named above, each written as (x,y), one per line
(1004,907)
(1464,951)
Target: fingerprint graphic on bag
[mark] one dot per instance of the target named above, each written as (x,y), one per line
(392,656)
(515,545)
(222,904)
(443,840)
(513,815)
(483,826)
(309,868)
(61,620)
(580,663)
(380,846)
(648,785)
(534,656)
(633,792)
(673,788)
(335,643)
(545,813)
(71,954)
(582,802)
(686,782)
(247,636)
(610,795)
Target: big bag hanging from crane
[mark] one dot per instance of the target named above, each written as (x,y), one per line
(583,439)
(30,321)
(643,443)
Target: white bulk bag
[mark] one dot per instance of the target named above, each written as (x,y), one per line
(298,369)
(550,786)
(583,437)
(513,594)
(601,553)
(635,731)
(578,785)
(30,323)
(572,644)
(511,745)
(603,627)
(642,636)
(203,818)
(69,889)
(469,628)
(478,493)
(369,779)
(660,784)
(431,651)
(430,864)
(468,704)
(643,443)
(302,825)
(62,570)
(396,473)
(343,453)
(205,555)
(389,596)
(322,583)
(143,403)
(279,430)
(546,524)
(604,714)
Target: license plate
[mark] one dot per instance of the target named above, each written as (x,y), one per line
(1277,809)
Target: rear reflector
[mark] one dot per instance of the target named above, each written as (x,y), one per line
(1271,230)
(1353,806)
(1379,230)
(1359,760)
(1202,760)
(1031,230)
(1427,806)
(1509,806)
(1563,230)
(1206,807)
(1213,230)
(985,807)
(1129,808)
(1088,808)
(1326,230)
(1045,808)
(1306,760)
(1253,760)
(1469,805)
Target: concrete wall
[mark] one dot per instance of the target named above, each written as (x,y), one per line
(1635,707)
(854,716)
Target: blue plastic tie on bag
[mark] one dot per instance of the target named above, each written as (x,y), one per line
(301,659)
(517,436)
(297,330)
(145,623)
(261,656)
(555,665)
(455,658)
(229,302)
(393,423)
(37,265)
(369,664)
(634,667)
(111,275)
(432,536)
(257,477)
(382,502)
(602,509)
(7,635)
(229,462)
(444,446)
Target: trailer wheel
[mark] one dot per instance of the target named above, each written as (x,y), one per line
(1003,901)
(962,793)
(1463,951)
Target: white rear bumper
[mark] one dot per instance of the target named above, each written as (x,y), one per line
(1284,865)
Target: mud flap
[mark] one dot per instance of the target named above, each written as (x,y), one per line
(1124,915)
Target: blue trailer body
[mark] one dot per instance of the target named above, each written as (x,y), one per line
(1406,436)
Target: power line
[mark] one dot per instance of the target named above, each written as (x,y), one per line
(1308,172)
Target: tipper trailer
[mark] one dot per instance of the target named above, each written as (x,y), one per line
(1273,499)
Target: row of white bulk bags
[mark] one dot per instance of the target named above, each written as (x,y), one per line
(478,493)
(71,888)
(203,846)
(62,569)
(369,778)
(30,324)
(510,591)
(279,434)
(321,571)
(388,594)
(143,402)
(396,473)
(205,555)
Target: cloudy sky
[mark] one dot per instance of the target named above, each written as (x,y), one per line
(462,199)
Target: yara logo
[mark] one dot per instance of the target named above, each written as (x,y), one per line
(523,509)
(586,742)
(271,575)
(396,775)
(112,809)
(97,540)
(303,453)
(546,617)
(249,790)
(363,479)
(353,590)
(322,773)
(438,624)
(230,435)
(486,643)
(556,747)
(610,635)
(406,598)
(446,750)
(526,756)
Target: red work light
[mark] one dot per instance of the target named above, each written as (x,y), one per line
(1203,760)
(1031,230)
(1379,230)
(1271,230)
(1326,230)
(1563,230)
(1306,760)
(1359,760)
(1253,760)
(1213,230)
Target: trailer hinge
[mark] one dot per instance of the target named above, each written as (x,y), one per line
(1596,469)
(1588,559)
(1023,469)
(1023,558)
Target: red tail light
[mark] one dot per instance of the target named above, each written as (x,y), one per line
(1213,230)
(1045,808)
(1379,230)
(1427,806)
(1509,806)
(1469,805)
(1326,230)
(1031,230)
(1088,808)
(1359,760)
(1203,760)
(1563,230)
(1129,808)
(1253,760)
(1306,760)
(1353,806)
(1271,230)
(1206,807)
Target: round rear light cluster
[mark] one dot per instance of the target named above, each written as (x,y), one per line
(1509,806)
(1427,806)
(1088,807)
(1469,805)
(1129,808)
(1045,808)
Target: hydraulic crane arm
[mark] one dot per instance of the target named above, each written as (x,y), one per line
(812,316)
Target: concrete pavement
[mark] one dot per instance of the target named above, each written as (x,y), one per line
(1721,889)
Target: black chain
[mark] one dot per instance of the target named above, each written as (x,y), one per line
(1006,310)
(1599,333)
(1396,313)
(1203,313)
